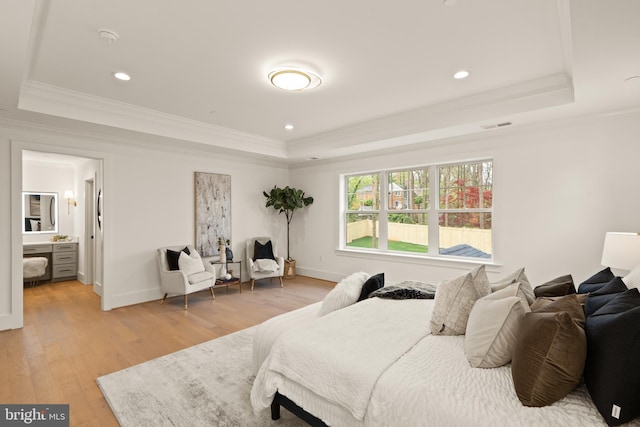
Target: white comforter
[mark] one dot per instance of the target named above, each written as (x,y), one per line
(269,331)
(340,356)
(432,384)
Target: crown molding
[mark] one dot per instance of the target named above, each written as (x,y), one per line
(444,120)
(52,100)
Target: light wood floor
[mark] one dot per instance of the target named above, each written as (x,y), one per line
(67,341)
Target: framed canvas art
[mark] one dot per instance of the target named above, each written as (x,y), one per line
(213,211)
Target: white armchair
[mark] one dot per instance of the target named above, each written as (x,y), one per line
(254,272)
(177,282)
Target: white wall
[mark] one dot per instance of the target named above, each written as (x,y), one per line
(148,203)
(152,205)
(557,191)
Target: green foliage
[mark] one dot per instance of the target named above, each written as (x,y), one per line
(287,200)
(401,218)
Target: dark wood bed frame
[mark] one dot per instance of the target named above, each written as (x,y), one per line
(282,400)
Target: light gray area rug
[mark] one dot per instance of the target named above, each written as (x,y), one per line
(205,385)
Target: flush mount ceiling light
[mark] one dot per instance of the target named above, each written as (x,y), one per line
(122,76)
(291,78)
(462,74)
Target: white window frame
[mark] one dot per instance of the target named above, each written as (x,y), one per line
(433,212)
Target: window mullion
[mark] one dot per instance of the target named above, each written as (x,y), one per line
(433,210)
(384,208)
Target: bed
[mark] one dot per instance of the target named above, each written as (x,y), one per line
(376,363)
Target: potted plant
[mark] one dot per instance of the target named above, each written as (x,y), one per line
(287,200)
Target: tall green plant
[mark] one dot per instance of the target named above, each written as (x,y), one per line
(287,200)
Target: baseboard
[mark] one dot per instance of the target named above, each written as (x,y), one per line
(81,278)
(98,289)
(320,274)
(7,321)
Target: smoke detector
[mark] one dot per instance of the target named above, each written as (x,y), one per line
(108,35)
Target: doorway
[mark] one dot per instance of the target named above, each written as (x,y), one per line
(90,168)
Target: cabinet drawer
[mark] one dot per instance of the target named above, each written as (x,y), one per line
(36,249)
(64,247)
(65,270)
(64,258)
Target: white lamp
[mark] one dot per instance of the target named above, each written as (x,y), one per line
(68,194)
(621,250)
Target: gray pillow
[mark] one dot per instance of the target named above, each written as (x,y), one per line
(452,306)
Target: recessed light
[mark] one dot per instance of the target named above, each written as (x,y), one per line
(293,78)
(122,76)
(450,2)
(462,74)
(288,127)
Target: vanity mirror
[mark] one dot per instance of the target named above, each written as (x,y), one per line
(39,212)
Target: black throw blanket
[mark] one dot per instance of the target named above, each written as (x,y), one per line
(406,290)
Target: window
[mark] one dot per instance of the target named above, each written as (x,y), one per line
(438,210)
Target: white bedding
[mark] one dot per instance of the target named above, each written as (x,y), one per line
(432,385)
(326,355)
(268,332)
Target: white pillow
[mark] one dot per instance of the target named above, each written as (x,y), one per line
(493,327)
(344,293)
(632,280)
(190,264)
(516,276)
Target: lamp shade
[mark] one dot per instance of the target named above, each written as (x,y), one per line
(68,194)
(621,250)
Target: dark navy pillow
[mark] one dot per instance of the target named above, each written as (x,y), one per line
(596,281)
(173,256)
(606,293)
(373,283)
(261,251)
(612,369)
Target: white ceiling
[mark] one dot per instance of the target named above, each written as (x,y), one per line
(199,68)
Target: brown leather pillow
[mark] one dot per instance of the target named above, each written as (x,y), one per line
(550,352)
(557,287)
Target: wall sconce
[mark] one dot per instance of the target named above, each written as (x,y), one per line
(68,194)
